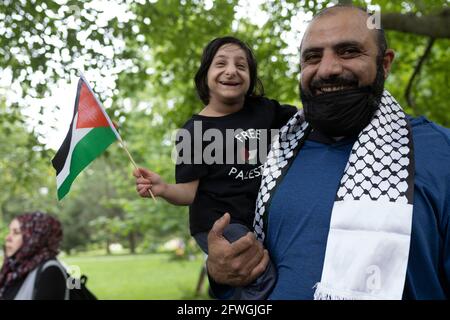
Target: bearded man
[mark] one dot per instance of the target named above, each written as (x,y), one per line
(355,195)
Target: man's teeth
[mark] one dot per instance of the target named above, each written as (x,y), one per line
(332,89)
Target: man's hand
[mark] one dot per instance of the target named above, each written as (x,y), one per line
(145,180)
(235,264)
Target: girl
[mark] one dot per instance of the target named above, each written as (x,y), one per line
(225,177)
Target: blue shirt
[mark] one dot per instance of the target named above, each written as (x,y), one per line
(300,212)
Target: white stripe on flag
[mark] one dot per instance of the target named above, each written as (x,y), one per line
(77,135)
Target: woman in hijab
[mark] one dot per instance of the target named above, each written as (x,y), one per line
(30,270)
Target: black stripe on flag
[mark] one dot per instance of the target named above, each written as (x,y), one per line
(61,155)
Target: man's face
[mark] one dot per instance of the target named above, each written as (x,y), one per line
(338,52)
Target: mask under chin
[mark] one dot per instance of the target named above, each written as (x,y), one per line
(341,113)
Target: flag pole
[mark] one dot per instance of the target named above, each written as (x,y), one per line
(134,164)
(122,143)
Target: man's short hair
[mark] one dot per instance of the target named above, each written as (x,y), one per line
(381,36)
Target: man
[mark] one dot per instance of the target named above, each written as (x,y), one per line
(355,196)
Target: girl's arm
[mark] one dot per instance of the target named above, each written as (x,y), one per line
(177,194)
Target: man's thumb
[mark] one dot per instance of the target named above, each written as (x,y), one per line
(220,225)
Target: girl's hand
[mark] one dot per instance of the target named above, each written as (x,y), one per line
(146,180)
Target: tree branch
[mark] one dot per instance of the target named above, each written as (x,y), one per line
(417,69)
(434,26)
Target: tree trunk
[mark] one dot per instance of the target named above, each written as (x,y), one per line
(132,241)
(108,252)
(201,280)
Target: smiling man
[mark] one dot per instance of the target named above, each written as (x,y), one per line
(355,195)
(340,55)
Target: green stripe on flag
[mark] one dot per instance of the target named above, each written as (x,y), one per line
(86,150)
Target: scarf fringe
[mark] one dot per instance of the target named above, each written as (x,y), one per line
(326,293)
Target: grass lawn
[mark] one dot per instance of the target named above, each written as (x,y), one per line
(151,276)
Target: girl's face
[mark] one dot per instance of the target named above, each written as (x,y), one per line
(14,238)
(228,75)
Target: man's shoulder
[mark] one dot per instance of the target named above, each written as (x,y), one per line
(430,133)
(431,149)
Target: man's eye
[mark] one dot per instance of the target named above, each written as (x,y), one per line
(349,52)
(311,57)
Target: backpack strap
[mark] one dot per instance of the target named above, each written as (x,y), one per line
(26,291)
(45,265)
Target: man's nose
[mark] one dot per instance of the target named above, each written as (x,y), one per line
(329,66)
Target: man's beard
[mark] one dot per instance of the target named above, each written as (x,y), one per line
(345,112)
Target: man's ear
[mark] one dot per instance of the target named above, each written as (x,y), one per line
(389,56)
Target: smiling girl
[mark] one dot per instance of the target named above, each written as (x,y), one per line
(232,94)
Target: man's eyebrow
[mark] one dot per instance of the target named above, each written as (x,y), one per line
(337,46)
(346,44)
(312,49)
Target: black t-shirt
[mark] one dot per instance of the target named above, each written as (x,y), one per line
(227,154)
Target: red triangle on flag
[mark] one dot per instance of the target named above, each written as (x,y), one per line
(90,114)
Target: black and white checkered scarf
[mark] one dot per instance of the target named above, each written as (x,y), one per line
(370,227)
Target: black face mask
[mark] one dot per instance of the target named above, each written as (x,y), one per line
(341,113)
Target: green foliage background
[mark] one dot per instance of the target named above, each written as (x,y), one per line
(152,53)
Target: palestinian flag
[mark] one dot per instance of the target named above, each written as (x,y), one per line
(90,133)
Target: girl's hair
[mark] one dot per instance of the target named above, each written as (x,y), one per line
(201,77)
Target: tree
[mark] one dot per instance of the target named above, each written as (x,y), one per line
(149,54)
(418,31)
(23,171)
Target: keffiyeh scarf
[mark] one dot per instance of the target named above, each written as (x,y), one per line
(370,228)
